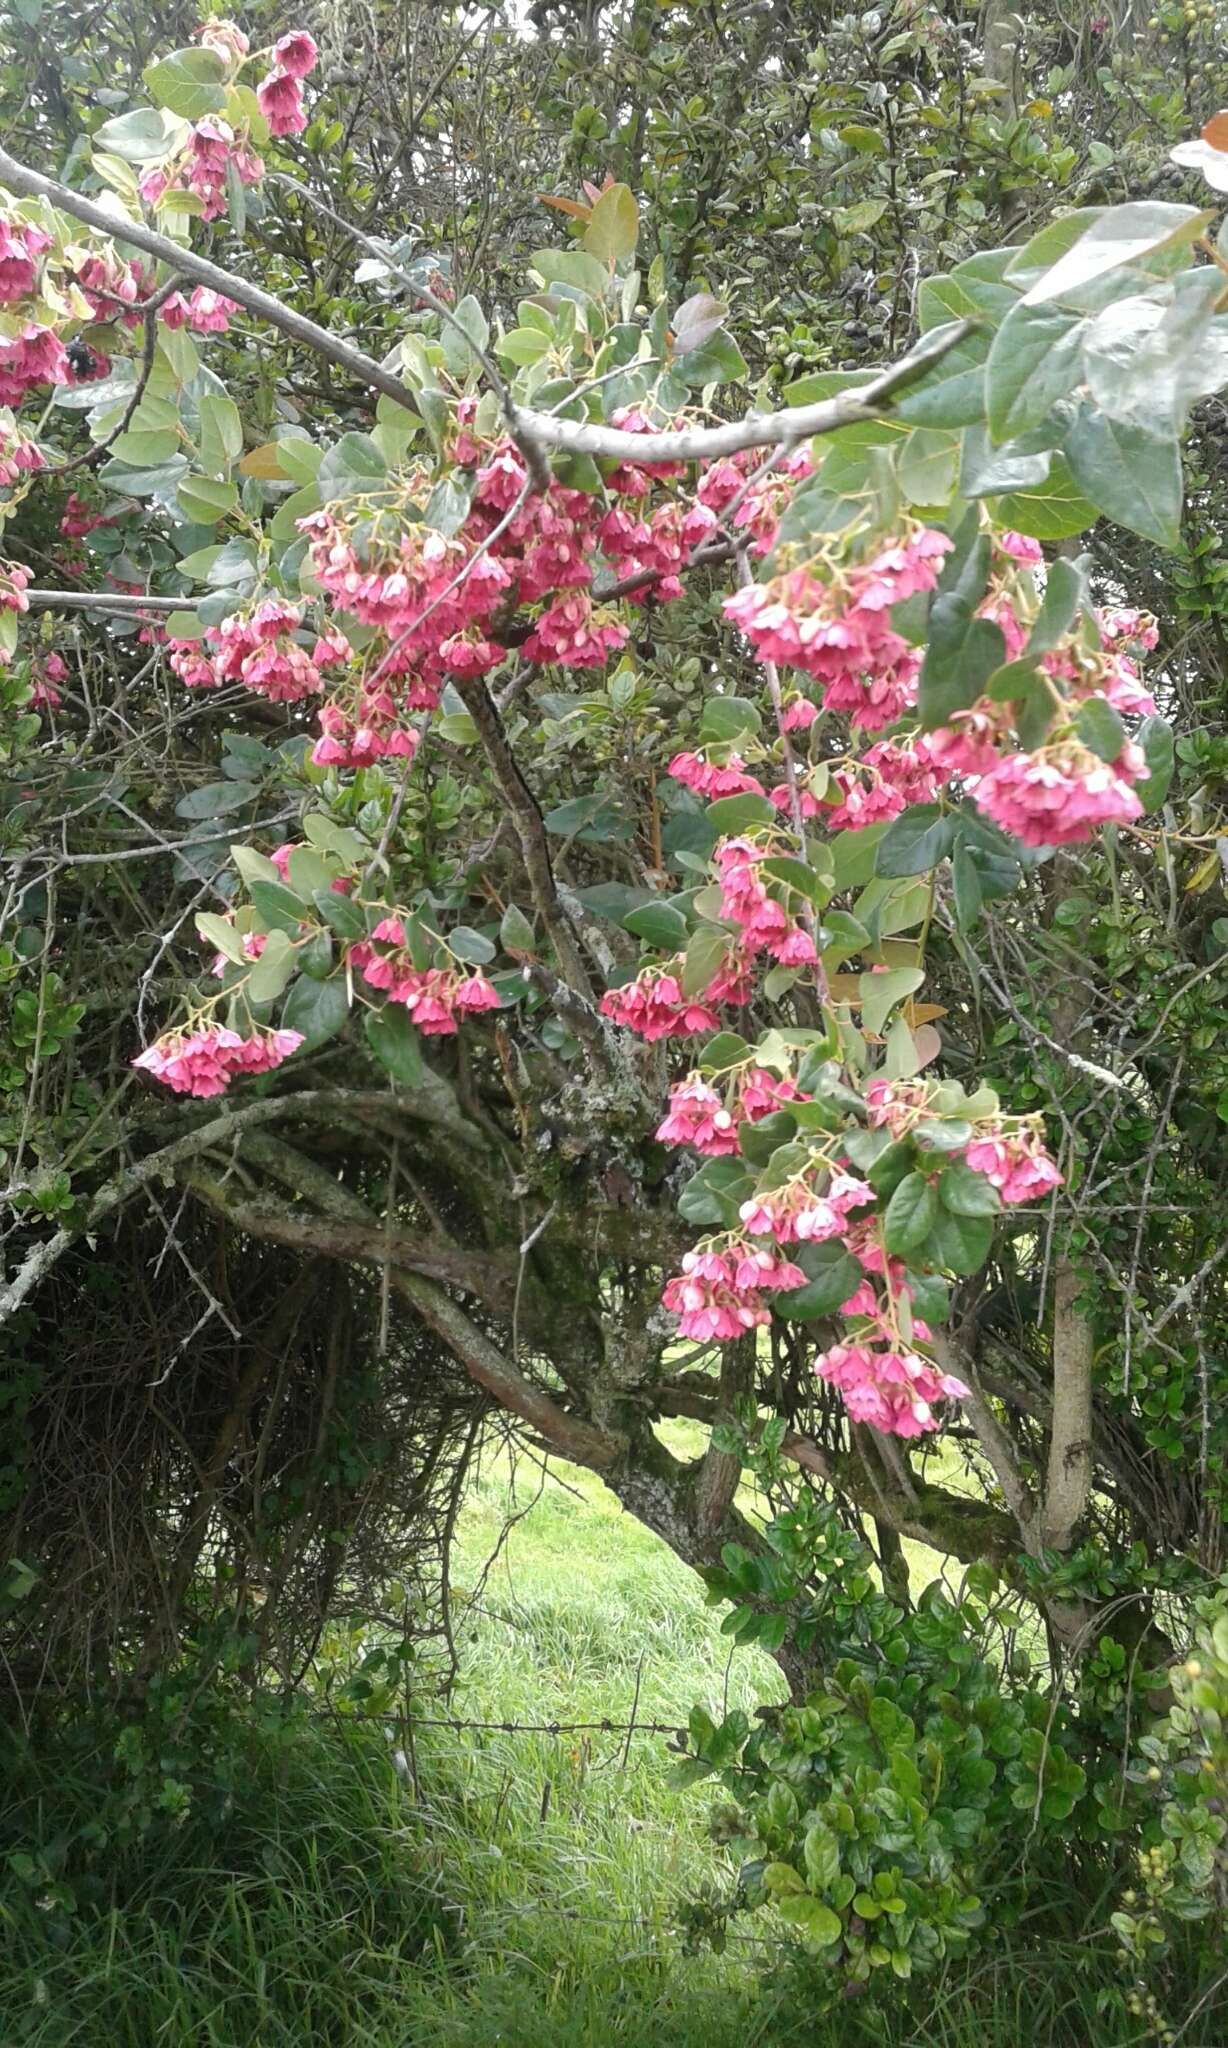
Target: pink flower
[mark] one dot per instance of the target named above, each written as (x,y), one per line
(698,1117)
(203,1062)
(34,356)
(192,665)
(209,311)
(575,634)
(712,779)
(21,245)
(1016,1163)
(890,1388)
(296,53)
(225,40)
(280,99)
(1060,794)
(174,312)
(1019,546)
(654,1007)
(474,992)
(799,715)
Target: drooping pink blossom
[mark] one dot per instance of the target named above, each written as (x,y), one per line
(1015,1162)
(280,99)
(296,53)
(1061,794)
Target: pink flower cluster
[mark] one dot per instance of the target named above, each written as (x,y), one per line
(760,507)
(653,1006)
(699,1117)
(766,925)
(204,1061)
(18,453)
(44,693)
(887,1384)
(22,242)
(280,94)
(1015,1162)
(1062,793)
(888,777)
(839,630)
(200,167)
(34,356)
(432,995)
(710,778)
(805,1212)
(257,649)
(207,311)
(719,1294)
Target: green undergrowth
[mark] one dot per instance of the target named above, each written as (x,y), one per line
(488,1888)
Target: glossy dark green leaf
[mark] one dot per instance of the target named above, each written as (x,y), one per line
(1132,475)
(1155,737)
(910,1213)
(395,1043)
(916,841)
(319,1009)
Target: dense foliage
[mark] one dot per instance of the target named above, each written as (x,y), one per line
(694,909)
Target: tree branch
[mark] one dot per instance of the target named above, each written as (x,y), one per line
(690,444)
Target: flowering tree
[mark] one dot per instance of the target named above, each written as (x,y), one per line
(608,809)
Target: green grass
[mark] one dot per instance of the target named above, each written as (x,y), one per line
(512,1890)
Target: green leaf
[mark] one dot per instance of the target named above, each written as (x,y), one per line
(985,470)
(189,82)
(928,466)
(1100,728)
(221,933)
(960,1244)
(270,973)
(821,1855)
(1036,357)
(961,655)
(966,880)
(142,136)
(221,434)
(1155,737)
(319,1009)
(712,1196)
(522,345)
(473,947)
(833,1278)
(214,799)
(352,466)
(204,501)
(1134,476)
(515,931)
(613,227)
(910,1214)
(967,1193)
(1037,256)
(813,1920)
(394,1042)
(853,857)
(458,355)
(339,913)
(881,992)
(1120,236)
(277,907)
(728,718)
(732,815)
(659,924)
(705,953)
(1065,593)
(952,394)
(449,504)
(916,841)
(1053,510)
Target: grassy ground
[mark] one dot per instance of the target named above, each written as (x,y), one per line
(513,1890)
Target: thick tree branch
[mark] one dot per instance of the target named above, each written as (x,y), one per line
(691,444)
